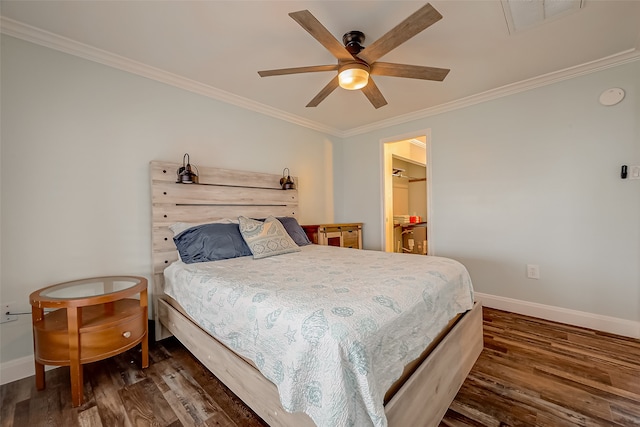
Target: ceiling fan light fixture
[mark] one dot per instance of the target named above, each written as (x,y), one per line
(355,63)
(353,76)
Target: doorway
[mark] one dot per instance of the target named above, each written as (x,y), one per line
(406,187)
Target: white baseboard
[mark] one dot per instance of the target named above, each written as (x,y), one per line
(18,369)
(23,367)
(613,325)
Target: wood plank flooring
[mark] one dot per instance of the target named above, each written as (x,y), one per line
(531,373)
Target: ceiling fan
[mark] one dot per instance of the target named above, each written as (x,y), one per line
(356,63)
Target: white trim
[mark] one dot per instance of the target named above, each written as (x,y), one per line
(430,246)
(383,195)
(623,57)
(23,367)
(53,41)
(17,369)
(613,325)
(411,137)
(63,44)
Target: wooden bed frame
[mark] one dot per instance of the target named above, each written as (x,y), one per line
(424,397)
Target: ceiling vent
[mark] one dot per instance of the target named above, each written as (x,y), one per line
(418,142)
(524,14)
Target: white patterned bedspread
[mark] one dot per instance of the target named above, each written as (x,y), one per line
(332,327)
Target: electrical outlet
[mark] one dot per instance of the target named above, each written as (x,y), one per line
(533,271)
(6,309)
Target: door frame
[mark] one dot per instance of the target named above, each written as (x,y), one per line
(386,188)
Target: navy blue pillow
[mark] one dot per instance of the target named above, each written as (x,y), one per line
(293,229)
(211,242)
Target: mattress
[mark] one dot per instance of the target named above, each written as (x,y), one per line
(331,327)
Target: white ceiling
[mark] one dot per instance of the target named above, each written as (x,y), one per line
(217,47)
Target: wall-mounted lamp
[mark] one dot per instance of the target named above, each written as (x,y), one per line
(185,174)
(287,183)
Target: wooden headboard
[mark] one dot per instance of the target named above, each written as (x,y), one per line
(220,193)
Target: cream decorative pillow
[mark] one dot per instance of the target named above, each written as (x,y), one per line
(266,238)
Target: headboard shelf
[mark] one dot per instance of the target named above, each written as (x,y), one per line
(213,194)
(194,184)
(167,172)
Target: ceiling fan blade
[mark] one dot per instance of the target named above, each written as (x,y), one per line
(424,17)
(297,70)
(409,71)
(374,95)
(330,87)
(320,33)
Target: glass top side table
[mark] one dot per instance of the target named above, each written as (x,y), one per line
(94,319)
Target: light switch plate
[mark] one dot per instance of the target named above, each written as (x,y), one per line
(634,172)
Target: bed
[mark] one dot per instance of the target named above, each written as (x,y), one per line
(429,377)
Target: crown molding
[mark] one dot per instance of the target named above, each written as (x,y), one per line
(44,38)
(623,57)
(41,37)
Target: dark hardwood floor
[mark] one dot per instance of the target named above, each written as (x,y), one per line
(531,373)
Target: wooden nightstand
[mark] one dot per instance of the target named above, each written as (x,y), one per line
(347,235)
(95,319)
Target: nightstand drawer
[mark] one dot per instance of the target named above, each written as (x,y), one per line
(101,343)
(350,241)
(106,332)
(329,229)
(347,235)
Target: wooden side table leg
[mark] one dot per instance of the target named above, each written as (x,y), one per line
(144,302)
(40,382)
(145,351)
(74,319)
(36,315)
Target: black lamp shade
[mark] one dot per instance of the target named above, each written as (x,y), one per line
(287,183)
(185,174)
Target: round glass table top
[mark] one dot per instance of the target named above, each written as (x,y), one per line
(90,288)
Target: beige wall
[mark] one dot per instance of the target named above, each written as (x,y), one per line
(530,178)
(77,139)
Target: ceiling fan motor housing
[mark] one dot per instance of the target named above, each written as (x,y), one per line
(353,41)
